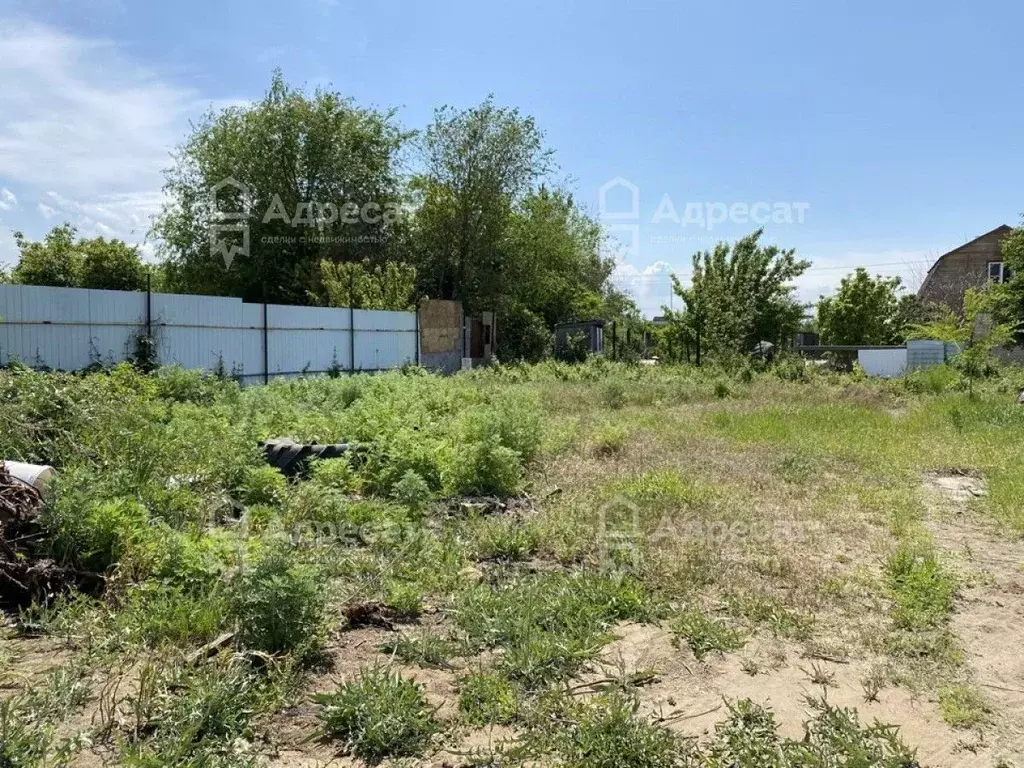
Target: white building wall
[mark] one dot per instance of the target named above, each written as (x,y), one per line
(887,363)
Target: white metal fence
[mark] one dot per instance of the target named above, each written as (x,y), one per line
(69,329)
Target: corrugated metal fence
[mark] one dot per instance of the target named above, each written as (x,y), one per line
(69,329)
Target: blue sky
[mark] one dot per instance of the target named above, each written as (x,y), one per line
(896,128)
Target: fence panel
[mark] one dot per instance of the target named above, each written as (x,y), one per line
(70,328)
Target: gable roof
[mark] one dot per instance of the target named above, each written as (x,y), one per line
(1002,229)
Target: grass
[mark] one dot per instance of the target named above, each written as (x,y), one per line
(787,504)
(963,706)
(704,634)
(921,587)
(379,714)
(488,698)
(423,650)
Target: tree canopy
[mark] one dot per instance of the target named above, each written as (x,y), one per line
(867,310)
(314,177)
(477,221)
(740,294)
(64,261)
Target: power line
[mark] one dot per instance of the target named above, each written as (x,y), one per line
(668,275)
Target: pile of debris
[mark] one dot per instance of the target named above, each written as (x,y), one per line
(25,578)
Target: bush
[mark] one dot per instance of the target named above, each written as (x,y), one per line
(483,469)
(379,714)
(277,604)
(412,491)
(263,485)
(613,395)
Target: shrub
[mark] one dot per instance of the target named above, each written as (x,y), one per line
(834,737)
(483,469)
(412,491)
(263,485)
(277,604)
(610,732)
(379,714)
(963,706)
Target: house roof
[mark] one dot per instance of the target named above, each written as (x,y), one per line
(1002,229)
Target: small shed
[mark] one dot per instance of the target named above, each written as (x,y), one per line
(567,335)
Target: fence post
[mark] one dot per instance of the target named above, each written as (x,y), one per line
(615,348)
(351,322)
(417,333)
(266,346)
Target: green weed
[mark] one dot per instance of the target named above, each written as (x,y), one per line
(379,714)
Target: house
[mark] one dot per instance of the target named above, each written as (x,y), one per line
(972,265)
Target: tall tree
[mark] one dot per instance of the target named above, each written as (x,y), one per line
(54,261)
(1010,307)
(867,310)
(479,164)
(314,176)
(740,294)
(551,271)
(62,260)
(112,265)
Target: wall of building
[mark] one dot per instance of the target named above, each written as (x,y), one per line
(442,340)
(966,267)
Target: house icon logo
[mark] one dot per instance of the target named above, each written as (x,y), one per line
(234,196)
(609,190)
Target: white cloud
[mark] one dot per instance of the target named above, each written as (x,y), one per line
(7,199)
(650,286)
(87,128)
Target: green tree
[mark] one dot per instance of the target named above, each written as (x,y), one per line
(740,294)
(61,260)
(54,262)
(978,331)
(1011,295)
(112,265)
(867,310)
(551,271)
(317,179)
(354,284)
(479,165)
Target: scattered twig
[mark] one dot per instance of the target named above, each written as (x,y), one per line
(677,716)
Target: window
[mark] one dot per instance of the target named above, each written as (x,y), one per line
(998,272)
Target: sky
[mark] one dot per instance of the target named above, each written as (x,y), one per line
(878,134)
